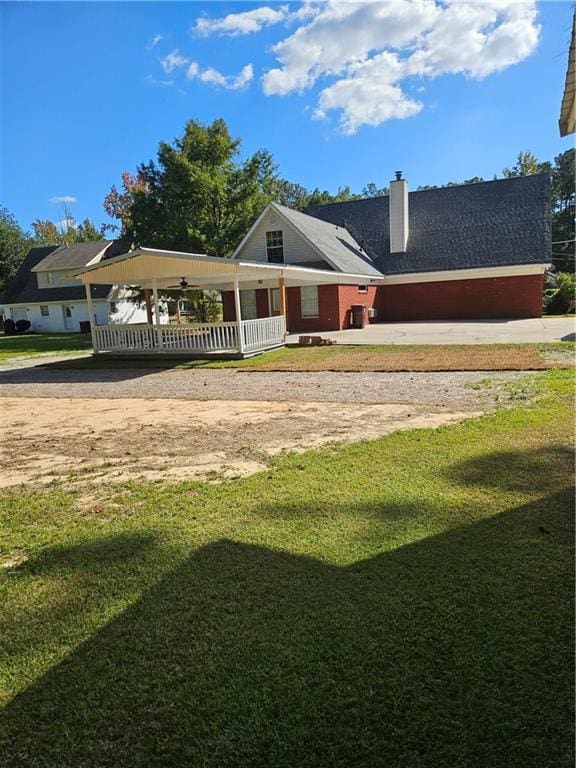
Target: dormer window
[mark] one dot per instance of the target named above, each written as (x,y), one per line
(49,278)
(275,246)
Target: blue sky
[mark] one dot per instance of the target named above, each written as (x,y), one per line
(340,93)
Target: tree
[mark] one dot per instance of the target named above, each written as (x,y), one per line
(48,233)
(290,194)
(372,190)
(14,245)
(526,164)
(563,210)
(198,196)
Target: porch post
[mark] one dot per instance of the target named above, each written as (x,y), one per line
(148,303)
(238,313)
(91,316)
(157,315)
(282,292)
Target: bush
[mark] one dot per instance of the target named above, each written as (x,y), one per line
(560,293)
(9,327)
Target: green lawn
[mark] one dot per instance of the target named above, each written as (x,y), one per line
(342,357)
(403,602)
(40,343)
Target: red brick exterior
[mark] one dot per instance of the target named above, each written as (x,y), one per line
(349,294)
(478,298)
(328,311)
(229,307)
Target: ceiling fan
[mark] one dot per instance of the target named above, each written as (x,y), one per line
(182,285)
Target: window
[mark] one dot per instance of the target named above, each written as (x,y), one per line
(50,278)
(309,301)
(275,300)
(248,305)
(275,246)
(44,310)
(113,308)
(362,289)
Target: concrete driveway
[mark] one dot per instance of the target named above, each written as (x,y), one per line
(457,332)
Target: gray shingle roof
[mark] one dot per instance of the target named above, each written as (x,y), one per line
(335,242)
(494,223)
(23,288)
(75,255)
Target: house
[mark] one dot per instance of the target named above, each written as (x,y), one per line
(461,252)
(469,251)
(45,292)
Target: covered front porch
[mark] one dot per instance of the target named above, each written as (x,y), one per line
(155,271)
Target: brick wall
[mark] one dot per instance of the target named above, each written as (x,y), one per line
(349,294)
(328,311)
(229,307)
(494,297)
(481,298)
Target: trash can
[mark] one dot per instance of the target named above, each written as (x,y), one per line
(358,316)
(84,326)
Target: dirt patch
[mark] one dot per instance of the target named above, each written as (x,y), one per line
(86,439)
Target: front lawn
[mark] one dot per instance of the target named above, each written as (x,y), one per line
(402,603)
(40,343)
(393,357)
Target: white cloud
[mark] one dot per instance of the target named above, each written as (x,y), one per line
(368,96)
(154,42)
(63,199)
(369,48)
(192,71)
(212,76)
(173,61)
(154,81)
(248,22)
(242,23)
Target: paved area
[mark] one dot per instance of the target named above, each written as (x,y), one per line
(434,389)
(458,332)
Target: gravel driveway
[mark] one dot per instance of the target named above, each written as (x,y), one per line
(230,422)
(434,389)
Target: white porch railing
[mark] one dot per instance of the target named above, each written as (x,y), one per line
(263,333)
(204,338)
(119,338)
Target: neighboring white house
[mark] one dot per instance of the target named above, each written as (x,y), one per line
(45,291)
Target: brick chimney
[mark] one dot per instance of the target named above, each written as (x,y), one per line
(398,214)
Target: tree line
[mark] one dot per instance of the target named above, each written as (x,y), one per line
(200,196)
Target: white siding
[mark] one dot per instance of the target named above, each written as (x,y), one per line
(127,312)
(296,249)
(54,322)
(60,277)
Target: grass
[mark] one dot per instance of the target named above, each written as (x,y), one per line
(42,343)
(404,602)
(409,357)
(464,357)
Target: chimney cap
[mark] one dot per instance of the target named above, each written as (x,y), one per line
(398,175)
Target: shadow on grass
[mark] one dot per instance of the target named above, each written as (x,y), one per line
(541,470)
(76,568)
(453,651)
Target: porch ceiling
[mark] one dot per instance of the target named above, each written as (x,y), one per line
(144,266)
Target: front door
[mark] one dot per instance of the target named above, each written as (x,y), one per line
(67,315)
